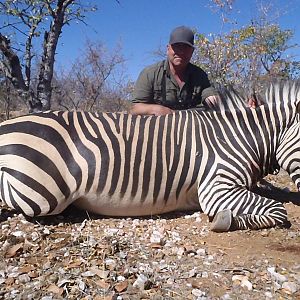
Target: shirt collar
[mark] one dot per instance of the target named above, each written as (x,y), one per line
(188,70)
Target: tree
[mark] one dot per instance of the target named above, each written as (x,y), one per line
(246,55)
(95,82)
(27,20)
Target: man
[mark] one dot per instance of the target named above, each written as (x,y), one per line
(174,83)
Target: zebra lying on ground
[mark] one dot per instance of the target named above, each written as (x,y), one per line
(123,165)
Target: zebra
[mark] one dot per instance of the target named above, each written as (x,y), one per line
(118,164)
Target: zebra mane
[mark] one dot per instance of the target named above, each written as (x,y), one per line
(236,98)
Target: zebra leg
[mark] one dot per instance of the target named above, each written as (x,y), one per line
(260,222)
(263,213)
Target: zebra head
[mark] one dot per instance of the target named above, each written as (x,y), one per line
(288,152)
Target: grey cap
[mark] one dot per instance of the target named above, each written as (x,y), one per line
(182,34)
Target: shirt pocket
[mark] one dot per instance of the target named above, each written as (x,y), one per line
(157,95)
(171,96)
(196,93)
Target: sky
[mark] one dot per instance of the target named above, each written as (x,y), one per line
(142,26)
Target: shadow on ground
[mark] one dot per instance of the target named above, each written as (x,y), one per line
(74,215)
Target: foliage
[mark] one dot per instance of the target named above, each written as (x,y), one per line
(94,82)
(248,54)
(223,7)
(25,22)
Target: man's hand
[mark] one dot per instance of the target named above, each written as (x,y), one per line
(212,101)
(254,101)
(160,110)
(150,109)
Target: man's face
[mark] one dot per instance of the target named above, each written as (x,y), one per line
(179,54)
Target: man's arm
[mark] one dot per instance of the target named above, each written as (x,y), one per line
(149,109)
(142,103)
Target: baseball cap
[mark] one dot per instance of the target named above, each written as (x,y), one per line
(182,34)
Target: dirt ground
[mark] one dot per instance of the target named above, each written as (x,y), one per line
(79,256)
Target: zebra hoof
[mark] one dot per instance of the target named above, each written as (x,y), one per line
(222,221)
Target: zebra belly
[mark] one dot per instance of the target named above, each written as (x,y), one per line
(117,205)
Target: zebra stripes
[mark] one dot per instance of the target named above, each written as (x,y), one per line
(123,165)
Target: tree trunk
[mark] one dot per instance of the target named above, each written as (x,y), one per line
(44,88)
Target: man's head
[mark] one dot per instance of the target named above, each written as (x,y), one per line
(183,35)
(181,46)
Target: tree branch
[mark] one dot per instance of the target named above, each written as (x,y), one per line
(13,66)
(44,89)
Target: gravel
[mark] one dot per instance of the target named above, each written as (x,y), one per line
(79,256)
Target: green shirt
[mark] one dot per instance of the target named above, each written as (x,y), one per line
(156,85)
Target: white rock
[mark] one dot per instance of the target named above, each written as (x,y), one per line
(292,287)
(47,265)
(170,280)
(198,293)
(81,285)
(135,222)
(156,237)
(46,231)
(111,231)
(216,275)
(19,233)
(13,272)
(226,297)
(247,284)
(110,263)
(276,286)
(204,274)
(196,215)
(2,273)
(210,257)
(140,282)
(276,276)
(192,273)
(297,277)
(198,220)
(175,236)
(24,278)
(269,295)
(121,278)
(5,246)
(35,236)
(62,282)
(88,274)
(82,225)
(188,216)
(122,254)
(163,265)
(243,280)
(180,251)
(201,252)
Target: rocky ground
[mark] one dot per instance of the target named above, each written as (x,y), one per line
(79,256)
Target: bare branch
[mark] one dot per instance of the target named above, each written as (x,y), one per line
(13,68)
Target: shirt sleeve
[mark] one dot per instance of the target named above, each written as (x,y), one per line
(206,88)
(209,91)
(143,89)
